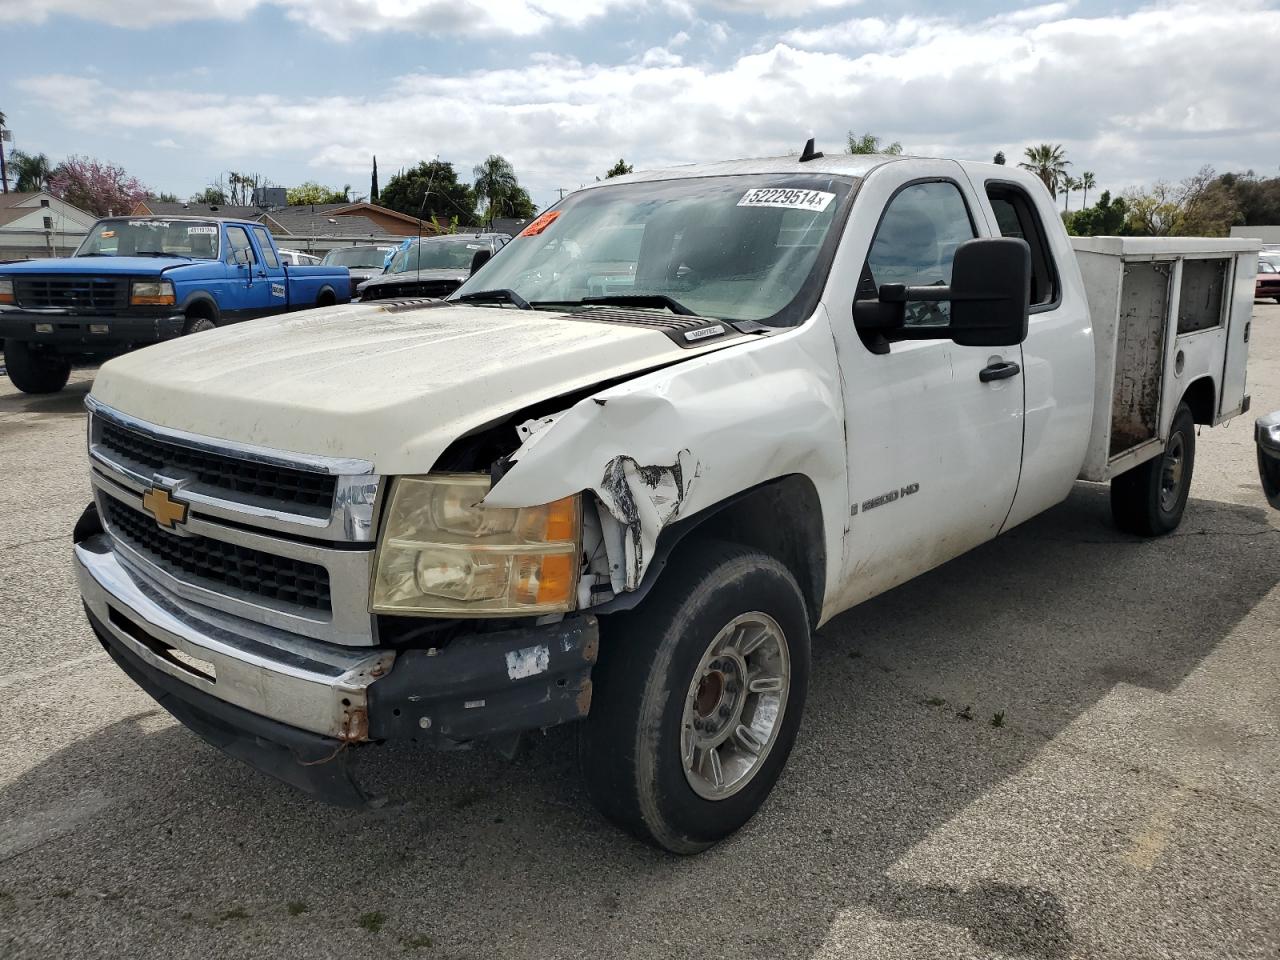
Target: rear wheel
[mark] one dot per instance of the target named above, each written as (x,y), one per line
(33,370)
(697,698)
(1149,499)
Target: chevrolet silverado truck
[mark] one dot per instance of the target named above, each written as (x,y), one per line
(537,503)
(140,280)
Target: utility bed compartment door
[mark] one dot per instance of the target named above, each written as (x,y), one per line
(1240,315)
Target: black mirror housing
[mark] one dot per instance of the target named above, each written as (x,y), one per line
(480,258)
(991,292)
(990,297)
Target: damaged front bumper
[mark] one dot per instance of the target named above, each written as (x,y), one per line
(290,706)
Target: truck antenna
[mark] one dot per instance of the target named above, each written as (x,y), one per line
(809,153)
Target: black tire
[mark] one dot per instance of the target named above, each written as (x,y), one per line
(197,325)
(632,742)
(1149,499)
(33,370)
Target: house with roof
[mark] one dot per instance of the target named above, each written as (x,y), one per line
(38,224)
(314,228)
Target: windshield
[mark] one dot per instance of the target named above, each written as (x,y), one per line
(437,255)
(151,237)
(356,257)
(733,248)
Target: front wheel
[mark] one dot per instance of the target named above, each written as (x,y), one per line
(697,698)
(1149,499)
(33,370)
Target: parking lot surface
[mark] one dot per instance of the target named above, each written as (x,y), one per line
(1063,744)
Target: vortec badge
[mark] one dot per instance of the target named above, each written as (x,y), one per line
(167,511)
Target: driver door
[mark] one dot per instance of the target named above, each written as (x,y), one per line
(934,444)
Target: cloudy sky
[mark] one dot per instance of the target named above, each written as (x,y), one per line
(179,90)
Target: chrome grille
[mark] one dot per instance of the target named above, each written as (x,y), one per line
(242,569)
(283,485)
(95,295)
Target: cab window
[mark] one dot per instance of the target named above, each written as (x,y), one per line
(264,244)
(1016,217)
(915,245)
(237,240)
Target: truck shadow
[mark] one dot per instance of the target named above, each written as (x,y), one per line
(495,858)
(67,402)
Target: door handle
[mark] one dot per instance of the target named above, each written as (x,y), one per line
(999,371)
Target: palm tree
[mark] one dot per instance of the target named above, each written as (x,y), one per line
(495,181)
(870,143)
(1087,183)
(30,171)
(1049,163)
(1068,183)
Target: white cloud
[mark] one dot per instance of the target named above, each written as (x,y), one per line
(1152,93)
(343,19)
(167,143)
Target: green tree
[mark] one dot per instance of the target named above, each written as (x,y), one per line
(30,171)
(437,182)
(163,197)
(1154,213)
(373,182)
(619,169)
(495,183)
(210,196)
(311,192)
(1087,183)
(1048,162)
(999,158)
(1068,183)
(870,143)
(1106,218)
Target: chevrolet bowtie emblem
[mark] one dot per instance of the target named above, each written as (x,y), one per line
(164,508)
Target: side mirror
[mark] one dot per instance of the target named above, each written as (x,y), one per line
(990,297)
(480,258)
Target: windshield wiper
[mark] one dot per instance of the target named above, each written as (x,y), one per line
(160,253)
(497,295)
(641,300)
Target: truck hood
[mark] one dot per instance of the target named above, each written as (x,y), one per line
(383,383)
(102,266)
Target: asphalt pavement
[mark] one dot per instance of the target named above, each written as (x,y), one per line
(1063,744)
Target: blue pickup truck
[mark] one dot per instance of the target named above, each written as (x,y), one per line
(140,280)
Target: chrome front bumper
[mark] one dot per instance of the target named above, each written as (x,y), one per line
(313,686)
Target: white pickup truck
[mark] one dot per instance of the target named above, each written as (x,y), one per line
(622,475)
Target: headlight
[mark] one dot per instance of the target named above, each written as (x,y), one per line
(152,293)
(442,553)
(6,291)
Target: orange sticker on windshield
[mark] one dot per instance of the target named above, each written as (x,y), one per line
(541,224)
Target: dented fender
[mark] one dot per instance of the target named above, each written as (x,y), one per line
(672,442)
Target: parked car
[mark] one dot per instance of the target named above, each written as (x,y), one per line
(1267,284)
(1267,436)
(527,505)
(364,262)
(296,258)
(140,280)
(433,266)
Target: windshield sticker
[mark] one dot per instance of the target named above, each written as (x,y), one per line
(475,246)
(277,290)
(107,234)
(539,225)
(149,223)
(787,199)
(201,230)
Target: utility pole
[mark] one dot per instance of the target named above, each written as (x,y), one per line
(5,136)
(561,191)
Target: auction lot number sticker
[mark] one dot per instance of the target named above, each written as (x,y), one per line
(787,198)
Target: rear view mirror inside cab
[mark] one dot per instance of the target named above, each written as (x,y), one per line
(989,297)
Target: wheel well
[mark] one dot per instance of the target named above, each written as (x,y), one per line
(326,298)
(1201,398)
(782,518)
(201,309)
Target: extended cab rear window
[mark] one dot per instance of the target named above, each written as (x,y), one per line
(1016,216)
